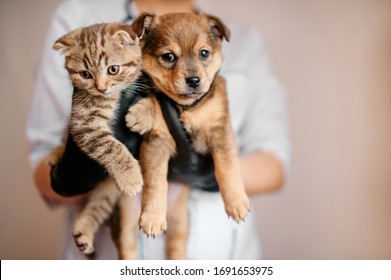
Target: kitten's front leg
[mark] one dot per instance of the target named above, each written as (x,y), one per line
(102,146)
(123,167)
(140,117)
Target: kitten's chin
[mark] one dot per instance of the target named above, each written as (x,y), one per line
(107,94)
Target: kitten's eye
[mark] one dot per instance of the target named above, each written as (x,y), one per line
(85,74)
(204,54)
(114,69)
(169,57)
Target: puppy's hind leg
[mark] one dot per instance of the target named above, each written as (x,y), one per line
(124,227)
(178,226)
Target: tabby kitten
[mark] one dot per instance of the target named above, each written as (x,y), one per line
(103,60)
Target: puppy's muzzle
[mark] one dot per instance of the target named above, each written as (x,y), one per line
(193,81)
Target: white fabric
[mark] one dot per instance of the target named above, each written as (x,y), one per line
(257,107)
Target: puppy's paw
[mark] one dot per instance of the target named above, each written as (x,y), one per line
(131,180)
(140,117)
(83,240)
(238,207)
(153,223)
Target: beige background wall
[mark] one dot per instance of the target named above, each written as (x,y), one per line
(334,58)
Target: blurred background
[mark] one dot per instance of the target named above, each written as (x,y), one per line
(334,59)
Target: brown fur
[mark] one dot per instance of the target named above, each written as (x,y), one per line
(92,110)
(102,60)
(203,110)
(124,227)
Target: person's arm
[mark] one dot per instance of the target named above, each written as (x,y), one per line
(50,105)
(261,102)
(51,100)
(262,172)
(42,182)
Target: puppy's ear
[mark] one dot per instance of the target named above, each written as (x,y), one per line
(218,28)
(142,24)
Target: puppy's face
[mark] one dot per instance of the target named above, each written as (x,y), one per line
(182,54)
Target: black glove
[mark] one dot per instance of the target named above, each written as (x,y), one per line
(76,173)
(187,166)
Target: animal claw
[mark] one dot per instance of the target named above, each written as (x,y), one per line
(76,235)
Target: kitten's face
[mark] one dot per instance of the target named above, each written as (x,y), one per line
(102,59)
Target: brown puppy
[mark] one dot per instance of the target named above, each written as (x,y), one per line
(182,56)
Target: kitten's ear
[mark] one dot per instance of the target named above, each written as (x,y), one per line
(142,24)
(218,28)
(64,43)
(124,37)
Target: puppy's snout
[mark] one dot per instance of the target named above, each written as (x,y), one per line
(193,81)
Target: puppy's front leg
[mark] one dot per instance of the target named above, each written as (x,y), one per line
(227,171)
(154,159)
(155,152)
(140,117)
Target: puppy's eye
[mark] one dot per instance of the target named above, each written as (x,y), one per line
(85,74)
(204,54)
(114,69)
(168,57)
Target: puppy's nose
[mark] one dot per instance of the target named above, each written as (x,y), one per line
(193,81)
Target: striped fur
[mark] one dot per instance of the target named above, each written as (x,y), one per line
(98,209)
(102,60)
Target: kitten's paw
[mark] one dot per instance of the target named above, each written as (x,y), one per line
(130,182)
(140,117)
(153,223)
(83,242)
(238,207)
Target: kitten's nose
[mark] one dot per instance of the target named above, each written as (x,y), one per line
(102,90)
(100,84)
(193,81)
